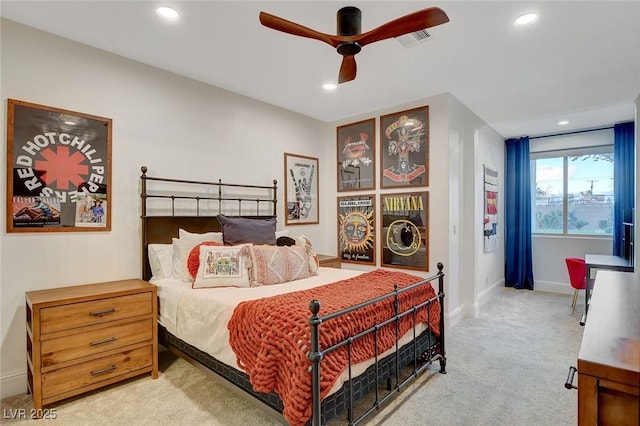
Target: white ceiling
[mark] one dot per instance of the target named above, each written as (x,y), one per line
(580,61)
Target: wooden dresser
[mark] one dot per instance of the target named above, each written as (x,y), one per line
(609,358)
(329,261)
(80,338)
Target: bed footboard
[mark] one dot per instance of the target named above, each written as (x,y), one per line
(422,358)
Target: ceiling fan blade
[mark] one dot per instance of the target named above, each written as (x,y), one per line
(416,21)
(280,24)
(348,69)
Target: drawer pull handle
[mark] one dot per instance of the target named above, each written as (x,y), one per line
(569,383)
(103,312)
(106,370)
(112,339)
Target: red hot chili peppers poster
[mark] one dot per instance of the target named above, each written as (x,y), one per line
(59,170)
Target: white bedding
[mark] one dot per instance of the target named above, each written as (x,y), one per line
(200,316)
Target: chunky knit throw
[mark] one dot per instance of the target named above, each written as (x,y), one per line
(271,336)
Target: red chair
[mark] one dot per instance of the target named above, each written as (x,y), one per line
(577,277)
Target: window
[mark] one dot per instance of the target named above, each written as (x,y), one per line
(573,193)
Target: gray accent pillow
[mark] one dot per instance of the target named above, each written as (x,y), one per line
(240,230)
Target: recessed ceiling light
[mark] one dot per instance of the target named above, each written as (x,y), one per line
(563,122)
(526,19)
(167,13)
(329,87)
(71,123)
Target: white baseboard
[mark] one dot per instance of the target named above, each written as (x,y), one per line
(14,383)
(453,317)
(473,311)
(553,287)
(490,292)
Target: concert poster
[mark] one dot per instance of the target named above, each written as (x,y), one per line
(405,230)
(404,148)
(356,229)
(356,147)
(56,159)
(301,189)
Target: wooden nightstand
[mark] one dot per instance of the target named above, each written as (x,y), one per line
(329,261)
(84,337)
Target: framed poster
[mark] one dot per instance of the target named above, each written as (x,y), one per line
(405,230)
(356,229)
(58,170)
(490,220)
(356,143)
(404,148)
(300,189)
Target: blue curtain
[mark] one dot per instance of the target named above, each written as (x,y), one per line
(518,255)
(623,178)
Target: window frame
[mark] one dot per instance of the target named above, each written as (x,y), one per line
(565,154)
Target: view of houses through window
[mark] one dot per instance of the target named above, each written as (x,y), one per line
(573,192)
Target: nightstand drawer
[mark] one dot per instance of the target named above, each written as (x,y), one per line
(95,340)
(329,261)
(85,374)
(94,312)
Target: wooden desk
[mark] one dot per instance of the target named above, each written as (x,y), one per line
(602,261)
(609,358)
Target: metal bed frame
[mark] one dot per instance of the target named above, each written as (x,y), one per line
(394,371)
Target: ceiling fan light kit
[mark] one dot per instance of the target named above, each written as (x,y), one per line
(350,39)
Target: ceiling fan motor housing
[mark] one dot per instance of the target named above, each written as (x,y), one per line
(349,21)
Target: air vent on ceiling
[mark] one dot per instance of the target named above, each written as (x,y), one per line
(412,39)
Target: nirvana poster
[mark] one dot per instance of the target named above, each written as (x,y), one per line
(356,232)
(490,220)
(405,230)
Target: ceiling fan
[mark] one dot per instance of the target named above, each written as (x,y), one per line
(350,40)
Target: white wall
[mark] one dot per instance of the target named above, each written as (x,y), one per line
(175,126)
(475,144)
(438,187)
(459,141)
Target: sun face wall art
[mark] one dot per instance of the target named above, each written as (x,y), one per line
(356,229)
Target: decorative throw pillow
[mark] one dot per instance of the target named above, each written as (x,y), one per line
(240,230)
(223,266)
(181,249)
(314,263)
(193,261)
(161,260)
(278,264)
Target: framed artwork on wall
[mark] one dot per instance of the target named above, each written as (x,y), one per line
(405,230)
(404,148)
(356,146)
(58,169)
(356,229)
(490,220)
(301,189)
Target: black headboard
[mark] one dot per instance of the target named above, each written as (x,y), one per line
(169,204)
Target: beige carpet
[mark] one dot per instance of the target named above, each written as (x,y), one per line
(506,367)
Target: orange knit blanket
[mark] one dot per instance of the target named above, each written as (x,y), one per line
(271,336)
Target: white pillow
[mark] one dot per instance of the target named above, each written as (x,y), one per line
(223,266)
(182,247)
(283,233)
(161,260)
(211,236)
